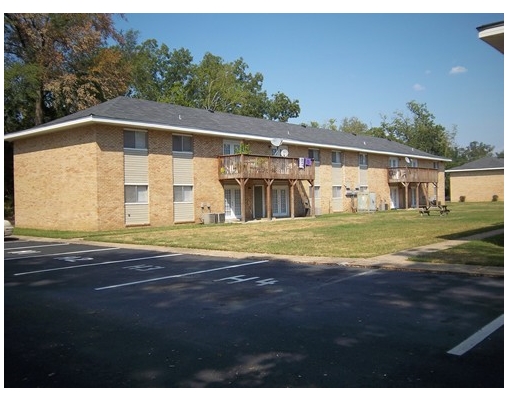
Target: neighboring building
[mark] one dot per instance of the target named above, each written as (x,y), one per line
(493,34)
(478,181)
(135,162)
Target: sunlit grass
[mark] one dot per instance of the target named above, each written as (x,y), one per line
(349,235)
(486,252)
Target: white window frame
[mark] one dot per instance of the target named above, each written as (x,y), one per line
(183,193)
(232,205)
(336,158)
(314,154)
(182,144)
(337,192)
(140,194)
(140,139)
(280,201)
(230,146)
(363,160)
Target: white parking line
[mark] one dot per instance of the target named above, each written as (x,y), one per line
(62,253)
(180,275)
(94,264)
(43,245)
(477,337)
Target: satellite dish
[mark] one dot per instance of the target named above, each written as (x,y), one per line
(284,153)
(407,160)
(276,142)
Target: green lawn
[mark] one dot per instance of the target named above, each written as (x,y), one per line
(351,235)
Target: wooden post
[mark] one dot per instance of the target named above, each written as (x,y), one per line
(312,192)
(269,197)
(292,198)
(242,184)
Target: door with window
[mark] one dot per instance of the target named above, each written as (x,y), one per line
(280,201)
(394,198)
(232,208)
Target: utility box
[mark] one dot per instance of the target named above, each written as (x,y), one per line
(209,218)
(220,218)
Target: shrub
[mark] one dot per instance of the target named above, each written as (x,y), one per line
(462,198)
(494,198)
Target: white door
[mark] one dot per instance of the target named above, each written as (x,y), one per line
(232,208)
(394,198)
(280,201)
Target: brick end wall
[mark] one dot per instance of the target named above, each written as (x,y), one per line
(55,183)
(478,186)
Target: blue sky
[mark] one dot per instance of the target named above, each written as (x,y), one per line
(342,65)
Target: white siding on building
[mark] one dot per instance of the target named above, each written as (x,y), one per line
(183,212)
(182,169)
(135,166)
(136,214)
(183,176)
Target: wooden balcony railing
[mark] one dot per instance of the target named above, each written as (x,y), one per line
(412,175)
(246,166)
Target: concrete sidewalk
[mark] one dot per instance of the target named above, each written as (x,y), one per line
(399,260)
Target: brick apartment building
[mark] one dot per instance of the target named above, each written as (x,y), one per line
(478,181)
(135,162)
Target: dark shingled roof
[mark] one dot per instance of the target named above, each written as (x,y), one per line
(480,164)
(162,114)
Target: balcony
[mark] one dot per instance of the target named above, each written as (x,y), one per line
(246,166)
(412,175)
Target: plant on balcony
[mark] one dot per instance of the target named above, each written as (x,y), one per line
(243,148)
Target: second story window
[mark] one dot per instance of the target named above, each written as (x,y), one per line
(314,154)
(183,143)
(363,160)
(336,158)
(231,147)
(135,140)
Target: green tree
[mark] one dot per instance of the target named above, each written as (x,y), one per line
(158,74)
(418,131)
(56,64)
(282,108)
(353,125)
(171,76)
(474,151)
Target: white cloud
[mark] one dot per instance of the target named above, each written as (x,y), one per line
(457,70)
(418,87)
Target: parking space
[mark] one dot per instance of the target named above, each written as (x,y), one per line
(145,318)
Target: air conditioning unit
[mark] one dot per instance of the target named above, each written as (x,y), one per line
(209,218)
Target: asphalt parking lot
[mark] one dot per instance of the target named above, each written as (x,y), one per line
(77,315)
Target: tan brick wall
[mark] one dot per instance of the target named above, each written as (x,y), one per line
(110,177)
(207,187)
(56,181)
(160,165)
(477,186)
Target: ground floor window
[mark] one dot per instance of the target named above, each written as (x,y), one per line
(182,193)
(136,194)
(337,199)
(136,204)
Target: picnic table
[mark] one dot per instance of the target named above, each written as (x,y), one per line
(442,209)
